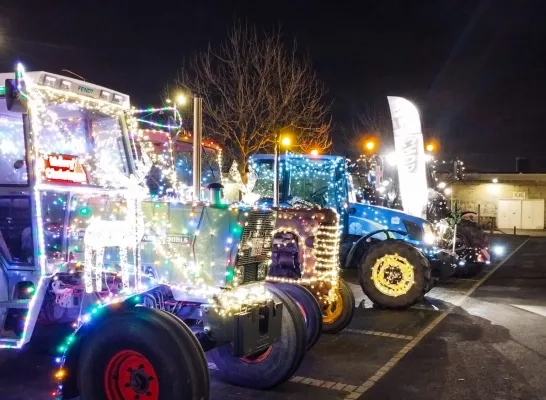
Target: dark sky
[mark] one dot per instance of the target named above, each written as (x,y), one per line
(476,69)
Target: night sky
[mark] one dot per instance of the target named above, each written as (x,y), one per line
(476,69)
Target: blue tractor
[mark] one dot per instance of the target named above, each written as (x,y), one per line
(395,252)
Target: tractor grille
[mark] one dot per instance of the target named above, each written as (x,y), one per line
(254,254)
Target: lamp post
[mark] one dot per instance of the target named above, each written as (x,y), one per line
(284,141)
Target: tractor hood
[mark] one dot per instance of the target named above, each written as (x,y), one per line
(364,219)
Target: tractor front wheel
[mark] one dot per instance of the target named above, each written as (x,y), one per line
(337,315)
(141,353)
(274,365)
(309,307)
(394,274)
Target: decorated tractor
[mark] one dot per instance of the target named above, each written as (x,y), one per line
(405,179)
(168,177)
(82,243)
(394,251)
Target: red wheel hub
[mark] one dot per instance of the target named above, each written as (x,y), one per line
(257,357)
(130,376)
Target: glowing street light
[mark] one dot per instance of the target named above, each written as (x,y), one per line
(181,99)
(430,147)
(285,141)
(314,152)
(370,145)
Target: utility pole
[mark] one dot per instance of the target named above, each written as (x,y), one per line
(197,139)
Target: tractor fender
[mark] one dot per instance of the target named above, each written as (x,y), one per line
(70,349)
(360,247)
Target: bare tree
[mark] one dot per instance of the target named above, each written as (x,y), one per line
(254,89)
(374,122)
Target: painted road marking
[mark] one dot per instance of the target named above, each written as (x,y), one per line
(324,384)
(398,356)
(376,333)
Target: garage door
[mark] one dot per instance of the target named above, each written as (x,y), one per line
(532,214)
(509,214)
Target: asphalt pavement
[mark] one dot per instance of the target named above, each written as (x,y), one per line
(479,338)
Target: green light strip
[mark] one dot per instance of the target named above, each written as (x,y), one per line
(2,90)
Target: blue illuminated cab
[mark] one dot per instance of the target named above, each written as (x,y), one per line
(323,180)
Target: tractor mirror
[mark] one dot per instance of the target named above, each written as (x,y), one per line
(15,101)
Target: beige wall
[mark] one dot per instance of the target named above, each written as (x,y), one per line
(487,195)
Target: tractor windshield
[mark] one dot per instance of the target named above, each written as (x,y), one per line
(210,166)
(81,145)
(167,155)
(311,180)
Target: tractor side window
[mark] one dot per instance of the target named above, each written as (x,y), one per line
(16,244)
(13,170)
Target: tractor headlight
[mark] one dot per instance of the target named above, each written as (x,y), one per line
(428,235)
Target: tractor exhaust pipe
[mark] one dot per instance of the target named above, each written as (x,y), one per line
(197,139)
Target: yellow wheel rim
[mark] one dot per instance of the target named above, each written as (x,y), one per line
(333,310)
(393,275)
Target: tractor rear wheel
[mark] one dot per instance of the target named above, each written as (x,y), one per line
(337,315)
(394,274)
(274,365)
(141,353)
(309,307)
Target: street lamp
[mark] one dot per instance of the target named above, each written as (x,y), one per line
(181,99)
(370,145)
(286,141)
(314,152)
(430,147)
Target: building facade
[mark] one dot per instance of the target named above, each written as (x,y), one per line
(506,200)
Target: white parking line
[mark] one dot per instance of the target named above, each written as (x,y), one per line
(323,384)
(376,333)
(398,356)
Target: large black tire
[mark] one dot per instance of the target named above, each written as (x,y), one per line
(141,346)
(309,306)
(278,363)
(204,363)
(345,315)
(382,293)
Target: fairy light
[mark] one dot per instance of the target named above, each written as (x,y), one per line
(161,110)
(321,262)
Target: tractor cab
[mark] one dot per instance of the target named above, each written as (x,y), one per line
(64,188)
(172,157)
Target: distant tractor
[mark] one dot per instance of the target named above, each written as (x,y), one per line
(172,157)
(394,251)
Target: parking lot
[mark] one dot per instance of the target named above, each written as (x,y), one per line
(478,338)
